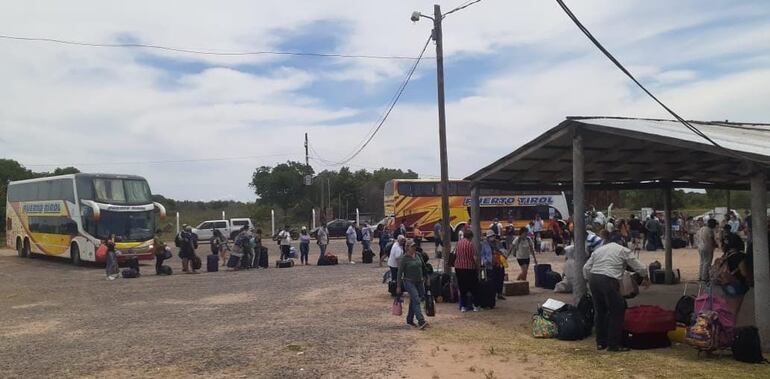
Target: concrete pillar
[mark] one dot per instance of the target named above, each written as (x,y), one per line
(476,219)
(667,235)
(761,260)
(578,215)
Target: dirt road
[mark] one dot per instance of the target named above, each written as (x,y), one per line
(302,322)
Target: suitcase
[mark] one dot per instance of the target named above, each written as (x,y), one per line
(430,305)
(517,288)
(285,263)
(658,276)
(212,263)
(678,243)
(434,283)
(247,259)
(551,278)
(367,256)
(645,341)
(263,258)
(487,294)
(654,266)
(233,261)
(196,263)
(540,271)
(649,319)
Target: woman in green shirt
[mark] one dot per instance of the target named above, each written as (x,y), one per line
(410,274)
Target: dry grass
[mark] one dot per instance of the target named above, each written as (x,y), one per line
(581,360)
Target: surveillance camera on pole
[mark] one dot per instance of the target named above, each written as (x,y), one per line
(415,16)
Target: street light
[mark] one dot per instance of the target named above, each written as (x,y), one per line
(438,37)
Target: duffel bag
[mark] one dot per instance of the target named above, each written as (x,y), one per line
(570,324)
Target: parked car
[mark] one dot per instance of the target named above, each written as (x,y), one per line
(336,228)
(229,228)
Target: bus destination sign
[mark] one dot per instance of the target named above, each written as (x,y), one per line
(511,201)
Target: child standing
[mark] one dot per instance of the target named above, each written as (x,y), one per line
(304,246)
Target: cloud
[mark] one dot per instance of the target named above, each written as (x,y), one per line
(514,70)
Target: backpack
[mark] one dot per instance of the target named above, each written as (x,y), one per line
(654,266)
(747,346)
(215,246)
(684,310)
(178,240)
(165,270)
(196,263)
(359,235)
(586,309)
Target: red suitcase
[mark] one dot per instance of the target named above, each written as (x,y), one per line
(649,319)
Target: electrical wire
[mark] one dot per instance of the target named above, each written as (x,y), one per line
(461,7)
(157,162)
(384,118)
(684,122)
(202,52)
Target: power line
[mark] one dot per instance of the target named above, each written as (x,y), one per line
(157,162)
(202,52)
(461,7)
(393,103)
(631,76)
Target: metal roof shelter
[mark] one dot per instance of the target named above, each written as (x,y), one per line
(633,153)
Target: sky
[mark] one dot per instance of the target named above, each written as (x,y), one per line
(196,126)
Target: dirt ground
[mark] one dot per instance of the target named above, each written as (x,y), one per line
(301,322)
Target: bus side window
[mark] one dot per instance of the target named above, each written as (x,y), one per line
(8,223)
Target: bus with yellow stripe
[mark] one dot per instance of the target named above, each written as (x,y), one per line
(70,215)
(418,202)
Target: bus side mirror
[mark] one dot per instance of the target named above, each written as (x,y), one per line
(95,211)
(161,210)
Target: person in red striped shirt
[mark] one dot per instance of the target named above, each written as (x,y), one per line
(466,269)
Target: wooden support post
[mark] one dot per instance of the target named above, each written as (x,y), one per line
(578,216)
(476,219)
(667,235)
(761,259)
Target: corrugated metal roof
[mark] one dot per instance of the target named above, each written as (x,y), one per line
(741,137)
(630,151)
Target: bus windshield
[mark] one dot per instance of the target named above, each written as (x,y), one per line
(127,226)
(121,191)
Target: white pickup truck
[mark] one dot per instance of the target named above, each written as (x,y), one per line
(229,228)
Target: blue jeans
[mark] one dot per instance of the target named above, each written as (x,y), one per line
(111,266)
(323,249)
(416,292)
(365,243)
(304,250)
(393,273)
(350,251)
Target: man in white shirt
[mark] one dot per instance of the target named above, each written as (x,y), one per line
(285,238)
(603,271)
(395,255)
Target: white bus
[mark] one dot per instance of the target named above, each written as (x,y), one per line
(69,215)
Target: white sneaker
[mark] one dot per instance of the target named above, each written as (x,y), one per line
(352,262)
(110,277)
(463,310)
(476,309)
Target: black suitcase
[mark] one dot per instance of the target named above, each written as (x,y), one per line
(247,260)
(430,305)
(486,294)
(678,243)
(368,256)
(659,276)
(212,263)
(540,274)
(644,341)
(551,278)
(284,263)
(129,273)
(434,283)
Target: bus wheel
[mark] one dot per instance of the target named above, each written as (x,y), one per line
(20,248)
(75,254)
(27,252)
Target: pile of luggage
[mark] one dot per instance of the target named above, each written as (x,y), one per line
(555,319)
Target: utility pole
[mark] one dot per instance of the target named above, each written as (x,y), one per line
(446,238)
(307,156)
